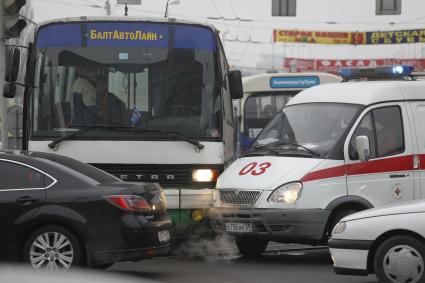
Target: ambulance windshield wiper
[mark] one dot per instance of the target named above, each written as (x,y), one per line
(198,146)
(301,146)
(264,146)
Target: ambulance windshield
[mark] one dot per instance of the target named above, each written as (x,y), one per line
(312,128)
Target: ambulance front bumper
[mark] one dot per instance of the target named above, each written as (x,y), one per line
(284,225)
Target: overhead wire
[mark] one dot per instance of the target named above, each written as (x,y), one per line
(82,7)
(243,24)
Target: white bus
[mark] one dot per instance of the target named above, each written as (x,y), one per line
(266,94)
(164,114)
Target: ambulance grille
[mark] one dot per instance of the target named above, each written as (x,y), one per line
(239,197)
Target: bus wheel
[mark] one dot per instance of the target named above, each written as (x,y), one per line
(251,247)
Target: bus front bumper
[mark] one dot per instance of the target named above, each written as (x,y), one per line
(189,210)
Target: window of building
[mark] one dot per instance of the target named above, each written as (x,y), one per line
(284,8)
(388,7)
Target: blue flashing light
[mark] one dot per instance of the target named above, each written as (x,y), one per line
(398,69)
(389,71)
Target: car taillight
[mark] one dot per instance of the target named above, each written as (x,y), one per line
(129,203)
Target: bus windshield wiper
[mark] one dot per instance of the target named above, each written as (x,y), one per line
(303,147)
(54,144)
(181,136)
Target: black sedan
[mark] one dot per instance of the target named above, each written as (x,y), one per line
(56,212)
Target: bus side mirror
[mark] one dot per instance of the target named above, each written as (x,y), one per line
(363,148)
(13,61)
(9,90)
(235,84)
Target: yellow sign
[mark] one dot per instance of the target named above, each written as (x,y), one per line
(319,37)
(124,35)
(334,37)
(396,37)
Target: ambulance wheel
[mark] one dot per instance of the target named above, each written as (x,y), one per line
(251,247)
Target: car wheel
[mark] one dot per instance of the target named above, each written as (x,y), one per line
(52,248)
(251,247)
(400,259)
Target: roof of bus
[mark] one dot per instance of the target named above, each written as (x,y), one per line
(124,19)
(261,82)
(364,93)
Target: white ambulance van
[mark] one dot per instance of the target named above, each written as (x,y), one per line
(333,150)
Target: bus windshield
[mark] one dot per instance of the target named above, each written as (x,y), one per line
(261,107)
(126,74)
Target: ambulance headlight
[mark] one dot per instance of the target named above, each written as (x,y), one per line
(288,193)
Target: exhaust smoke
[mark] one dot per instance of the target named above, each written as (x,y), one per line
(222,246)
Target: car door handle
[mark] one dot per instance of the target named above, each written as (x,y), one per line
(398,176)
(27,200)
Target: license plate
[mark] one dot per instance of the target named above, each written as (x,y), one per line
(239,227)
(164,236)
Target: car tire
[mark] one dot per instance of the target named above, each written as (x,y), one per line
(400,252)
(53,248)
(251,247)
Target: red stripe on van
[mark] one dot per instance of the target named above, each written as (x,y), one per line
(332,172)
(422,161)
(401,163)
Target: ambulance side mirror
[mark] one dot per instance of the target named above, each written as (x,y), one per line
(363,148)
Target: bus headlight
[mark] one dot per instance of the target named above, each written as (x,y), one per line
(204,175)
(288,193)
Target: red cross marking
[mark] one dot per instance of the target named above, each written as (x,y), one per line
(397,191)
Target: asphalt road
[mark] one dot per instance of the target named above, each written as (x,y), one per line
(281,263)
